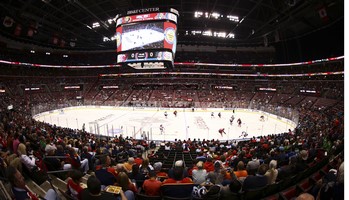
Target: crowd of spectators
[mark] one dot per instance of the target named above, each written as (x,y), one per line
(31,148)
(27,144)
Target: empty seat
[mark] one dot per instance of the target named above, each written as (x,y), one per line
(289,193)
(305,185)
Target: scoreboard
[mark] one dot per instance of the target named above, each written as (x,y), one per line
(146,36)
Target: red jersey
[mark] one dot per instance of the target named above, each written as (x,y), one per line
(151,187)
(75,189)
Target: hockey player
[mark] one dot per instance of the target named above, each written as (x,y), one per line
(165,113)
(175,113)
(161,129)
(231,119)
(262,118)
(221,131)
(219,115)
(239,122)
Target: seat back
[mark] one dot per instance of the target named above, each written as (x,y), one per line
(289,193)
(177,190)
(254,194)
(140,196)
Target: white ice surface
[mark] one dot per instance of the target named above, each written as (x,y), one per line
(139,38)
(187,124)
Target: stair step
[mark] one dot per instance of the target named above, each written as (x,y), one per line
(46,186)
(57,182)
(35,188)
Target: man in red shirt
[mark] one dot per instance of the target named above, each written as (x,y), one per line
(138,161)
(152,186)
(208,165)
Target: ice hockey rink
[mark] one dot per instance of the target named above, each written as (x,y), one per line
(141,122)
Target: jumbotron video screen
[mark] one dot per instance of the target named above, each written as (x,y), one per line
(150,37)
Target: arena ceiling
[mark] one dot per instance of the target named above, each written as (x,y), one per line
(67,23)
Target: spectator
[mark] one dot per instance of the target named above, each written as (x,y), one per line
(208,165)
(256,181)
(252,166)
(86,155)
(123,181)
(199,174)
(128,165)
(105,174)
(305,196)
(178,164)
(231,191)
(218,175)
(54,164)
(19,189)
(178,177)
(160,174)
(302,161)
(94,192)
(28,161)
(76,162)
(288,170)
(241,173)
(272,172)
(152,186)
(74,184)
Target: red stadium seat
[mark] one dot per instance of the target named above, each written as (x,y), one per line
(289,193)
(305,185)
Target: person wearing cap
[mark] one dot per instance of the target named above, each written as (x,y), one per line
(152,186)
(199,175)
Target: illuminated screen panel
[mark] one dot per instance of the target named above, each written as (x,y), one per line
(141,36)
(147,17)
(151,55)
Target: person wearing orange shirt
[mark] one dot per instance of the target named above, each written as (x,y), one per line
(128,165)
(241,172)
